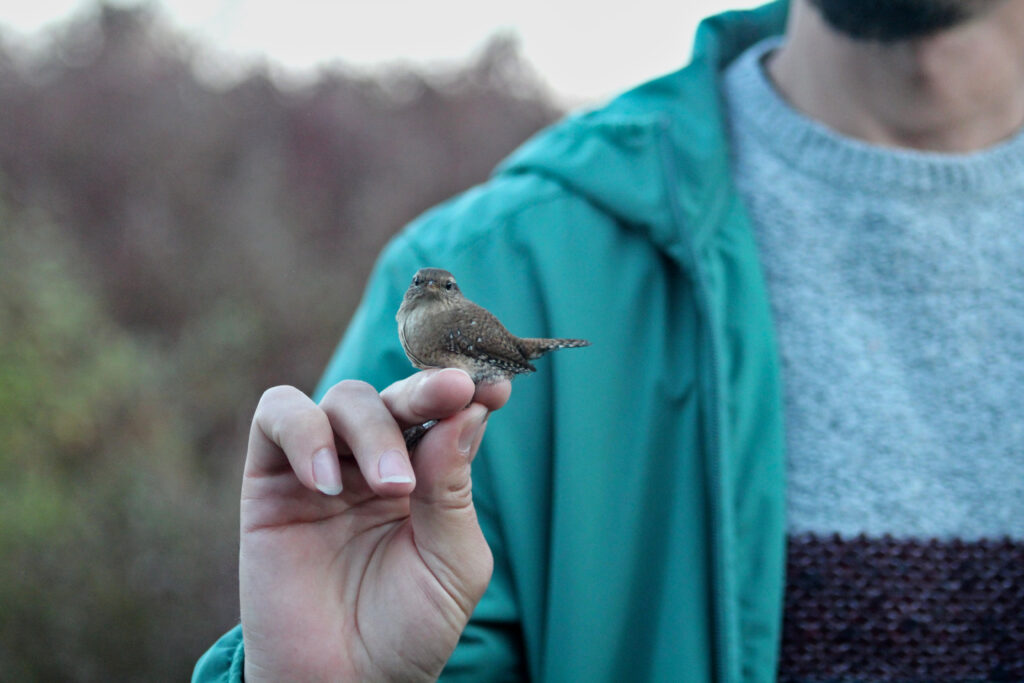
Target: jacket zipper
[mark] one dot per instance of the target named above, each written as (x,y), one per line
(710,376)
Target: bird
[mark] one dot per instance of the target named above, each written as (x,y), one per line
(440,328)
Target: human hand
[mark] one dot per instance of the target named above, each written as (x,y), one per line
(377,581)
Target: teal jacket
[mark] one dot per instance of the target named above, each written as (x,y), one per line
(632,491)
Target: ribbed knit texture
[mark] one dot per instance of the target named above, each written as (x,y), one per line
(897,283)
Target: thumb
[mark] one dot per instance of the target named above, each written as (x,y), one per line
(444,521)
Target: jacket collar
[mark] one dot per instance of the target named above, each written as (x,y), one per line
(672,129)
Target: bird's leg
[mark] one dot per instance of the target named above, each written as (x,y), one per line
(415,433)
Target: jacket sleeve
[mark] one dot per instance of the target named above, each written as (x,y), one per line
(222,663)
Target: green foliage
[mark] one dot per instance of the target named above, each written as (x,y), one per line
(168,249)
(98,494)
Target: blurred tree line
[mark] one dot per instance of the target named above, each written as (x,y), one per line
(168,249)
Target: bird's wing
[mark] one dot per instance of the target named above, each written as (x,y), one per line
(482,336)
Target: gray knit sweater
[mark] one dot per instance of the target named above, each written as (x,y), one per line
(897,282)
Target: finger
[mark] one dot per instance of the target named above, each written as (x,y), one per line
(493,395)
(444,520)
(290,431)
(362,420)
(429,395)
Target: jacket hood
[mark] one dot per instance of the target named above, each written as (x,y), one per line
(656,158)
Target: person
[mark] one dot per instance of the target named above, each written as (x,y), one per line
(815,224)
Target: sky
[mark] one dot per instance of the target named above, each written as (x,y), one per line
(584,50)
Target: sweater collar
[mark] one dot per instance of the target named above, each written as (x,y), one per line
(810,147)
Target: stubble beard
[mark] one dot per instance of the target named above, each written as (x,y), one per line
(888,21)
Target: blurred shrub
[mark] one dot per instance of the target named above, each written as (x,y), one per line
(111,540)
(168,248)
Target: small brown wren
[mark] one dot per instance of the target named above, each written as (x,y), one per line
(440,328)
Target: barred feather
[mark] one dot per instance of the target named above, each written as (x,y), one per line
(534,348)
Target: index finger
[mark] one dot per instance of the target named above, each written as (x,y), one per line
(290,431)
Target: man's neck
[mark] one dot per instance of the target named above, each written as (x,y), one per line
(957,91)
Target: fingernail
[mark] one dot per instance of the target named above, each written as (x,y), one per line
(327,472)
(472,428)
(394,469)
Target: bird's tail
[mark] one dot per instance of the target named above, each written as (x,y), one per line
(534,348)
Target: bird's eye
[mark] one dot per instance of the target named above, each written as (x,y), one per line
(416,281)
(449,285)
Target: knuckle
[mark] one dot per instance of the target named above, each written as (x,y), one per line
(277,392)
(274,396)
(349,390)
(284,408)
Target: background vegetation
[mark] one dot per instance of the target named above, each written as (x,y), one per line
(168,249)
